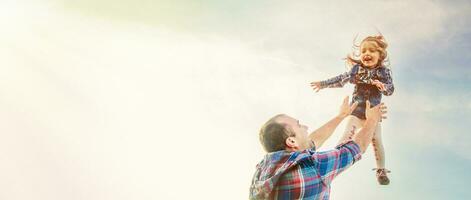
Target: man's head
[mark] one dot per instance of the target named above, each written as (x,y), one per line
(283,132)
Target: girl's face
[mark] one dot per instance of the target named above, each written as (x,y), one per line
(369,54)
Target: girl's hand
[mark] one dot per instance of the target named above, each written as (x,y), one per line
(316,86)
(380,85)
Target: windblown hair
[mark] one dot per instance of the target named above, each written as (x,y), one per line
(383,60)
(273,135)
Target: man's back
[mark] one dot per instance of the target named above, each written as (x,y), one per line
(301,174)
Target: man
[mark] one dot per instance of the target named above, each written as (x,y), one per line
(292,169)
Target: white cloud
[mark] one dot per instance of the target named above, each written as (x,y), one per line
(112,111)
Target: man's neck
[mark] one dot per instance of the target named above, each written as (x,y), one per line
(292,149)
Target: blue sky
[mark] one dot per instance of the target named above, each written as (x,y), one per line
(123,100)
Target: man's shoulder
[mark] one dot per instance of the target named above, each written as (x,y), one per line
(352,147)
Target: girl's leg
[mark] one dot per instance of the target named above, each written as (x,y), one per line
(353,125)
(381,172)
(378,148)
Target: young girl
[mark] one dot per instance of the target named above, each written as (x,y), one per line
(372,79)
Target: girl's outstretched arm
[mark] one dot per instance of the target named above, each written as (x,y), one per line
(387,82)
(335,82)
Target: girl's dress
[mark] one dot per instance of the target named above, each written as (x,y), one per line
(362,77)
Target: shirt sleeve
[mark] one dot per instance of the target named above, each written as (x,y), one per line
(332,163)
(388,83)
(337,81)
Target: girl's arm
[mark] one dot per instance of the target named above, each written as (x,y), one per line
(336,82)
(388,83)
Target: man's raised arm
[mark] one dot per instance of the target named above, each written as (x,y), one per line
(373,116)
(320,135)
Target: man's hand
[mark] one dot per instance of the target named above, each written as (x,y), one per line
(375,113)
(316,86)
(346,109)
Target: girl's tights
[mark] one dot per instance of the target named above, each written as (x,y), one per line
(353,126)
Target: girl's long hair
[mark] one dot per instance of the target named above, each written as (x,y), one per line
(354,57)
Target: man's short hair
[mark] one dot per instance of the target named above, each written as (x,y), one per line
(273,135)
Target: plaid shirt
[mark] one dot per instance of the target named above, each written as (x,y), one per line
(302,174)
(362,77)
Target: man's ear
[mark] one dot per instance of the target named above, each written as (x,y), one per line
(291,142)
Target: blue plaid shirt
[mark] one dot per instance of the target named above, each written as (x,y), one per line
(302,174)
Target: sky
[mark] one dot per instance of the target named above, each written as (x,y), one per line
(164,99)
